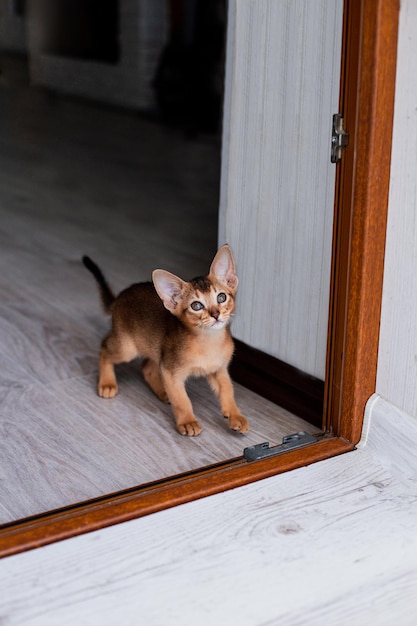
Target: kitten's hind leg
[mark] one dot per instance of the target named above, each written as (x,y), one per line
(152,376)
(222,386)
(107,384)
(114,349)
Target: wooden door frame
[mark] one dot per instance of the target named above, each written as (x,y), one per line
(369,51)
(362,186)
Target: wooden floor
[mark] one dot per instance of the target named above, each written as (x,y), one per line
(80,179)
(332,544)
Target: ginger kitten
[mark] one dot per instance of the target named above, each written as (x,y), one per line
(181,329)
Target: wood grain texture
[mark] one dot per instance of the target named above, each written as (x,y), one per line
(330,543)
(367,102)
(141,501)
(77,179)
(350,422)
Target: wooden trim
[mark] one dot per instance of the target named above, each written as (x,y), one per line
(362,185)
(279,382)
(362,191)
(134,503)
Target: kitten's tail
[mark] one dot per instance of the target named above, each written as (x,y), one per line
(106,294)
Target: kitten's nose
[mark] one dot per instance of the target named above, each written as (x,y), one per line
(215,313)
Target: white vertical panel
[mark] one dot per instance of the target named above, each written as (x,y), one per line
(282,88)
(397,362)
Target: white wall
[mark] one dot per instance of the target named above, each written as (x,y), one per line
(282,88)
(397,364)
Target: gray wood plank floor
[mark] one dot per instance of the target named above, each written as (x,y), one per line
(82,179)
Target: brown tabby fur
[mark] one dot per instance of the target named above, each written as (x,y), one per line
(159,323)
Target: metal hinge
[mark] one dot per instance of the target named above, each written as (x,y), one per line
(340,138)
(289,442)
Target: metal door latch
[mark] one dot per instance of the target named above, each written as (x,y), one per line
(289,442)
(340,138)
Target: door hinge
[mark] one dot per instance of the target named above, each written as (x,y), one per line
(340,138)
(289,442)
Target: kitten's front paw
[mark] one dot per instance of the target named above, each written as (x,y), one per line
(107,391)
(238,422)
(190,429)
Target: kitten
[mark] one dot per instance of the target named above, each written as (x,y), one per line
(181,330)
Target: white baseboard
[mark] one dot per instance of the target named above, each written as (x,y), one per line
(390,434)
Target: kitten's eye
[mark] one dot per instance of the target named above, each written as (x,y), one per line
(221,298)
(197,306)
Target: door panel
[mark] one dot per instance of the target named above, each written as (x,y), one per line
(277,196)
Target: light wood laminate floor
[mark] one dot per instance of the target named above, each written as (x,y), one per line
(82,179)
(331,544)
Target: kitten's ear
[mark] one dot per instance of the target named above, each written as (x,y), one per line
(169,288)
(223,267)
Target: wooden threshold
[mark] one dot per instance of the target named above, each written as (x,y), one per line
(137,502)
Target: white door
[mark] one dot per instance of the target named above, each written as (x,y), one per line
(276,207)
